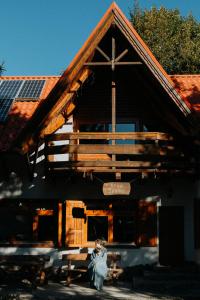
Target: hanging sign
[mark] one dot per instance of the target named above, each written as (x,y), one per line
(116,188)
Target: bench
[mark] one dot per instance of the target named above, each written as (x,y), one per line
(31,267)
(112,259)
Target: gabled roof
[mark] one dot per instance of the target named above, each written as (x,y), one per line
(188,87)
(52,113)
(22,110)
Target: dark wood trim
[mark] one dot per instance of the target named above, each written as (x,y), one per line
(122,164)
(131,170)
(118,63)
(113,149)
(102,163)
(121,55)
(60,210)
(110,136)
(103,53)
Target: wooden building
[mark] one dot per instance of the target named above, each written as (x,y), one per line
(109,149)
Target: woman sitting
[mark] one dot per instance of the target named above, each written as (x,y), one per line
(98,265)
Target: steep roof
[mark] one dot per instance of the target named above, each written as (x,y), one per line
(22,110)
(188,86)
(52,113)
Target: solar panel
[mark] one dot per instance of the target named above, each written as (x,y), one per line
(31,89)
(9,88)
(5,105)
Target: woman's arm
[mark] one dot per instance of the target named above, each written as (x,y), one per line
(92,259)
(104,256)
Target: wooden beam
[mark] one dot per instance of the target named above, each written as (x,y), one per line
(110,228)
(35,227)
(103,53)
(59,120)
(54,124)
(112,149)
(143,136)
(113,53)
(65,99)
(121,55)
(120,63)
(109,212)
(69,110)
(127,164)
(113,94)
(139,170)
(46,212)
(121,164)
(59,225)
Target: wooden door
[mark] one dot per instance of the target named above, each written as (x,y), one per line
(171,235)
(76,227)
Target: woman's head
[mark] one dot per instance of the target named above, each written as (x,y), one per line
(99,243)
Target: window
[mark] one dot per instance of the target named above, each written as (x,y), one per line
(44,225)
(93,128)
(46,228)
(97,228)
(123,229)
(15,225)
(124,127)
(115,221)
(123,221)
(107,127)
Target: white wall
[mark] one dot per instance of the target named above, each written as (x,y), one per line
(68,127)
(129,257)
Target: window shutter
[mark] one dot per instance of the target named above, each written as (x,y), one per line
(147,224)
(76,227)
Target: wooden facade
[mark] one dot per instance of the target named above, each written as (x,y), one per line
(128,124)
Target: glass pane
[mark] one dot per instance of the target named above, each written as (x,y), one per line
(123,229)
(97,228)
(92,128)
(15,225)
(46,228)
(129,127)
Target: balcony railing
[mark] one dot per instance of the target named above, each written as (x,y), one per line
(137,152)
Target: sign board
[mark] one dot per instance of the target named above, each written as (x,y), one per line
(116,188)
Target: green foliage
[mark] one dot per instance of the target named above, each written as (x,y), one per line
(2,69)
(173,39)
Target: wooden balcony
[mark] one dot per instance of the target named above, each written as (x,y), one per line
(93,152)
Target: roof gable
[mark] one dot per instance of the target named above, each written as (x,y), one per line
(53,112)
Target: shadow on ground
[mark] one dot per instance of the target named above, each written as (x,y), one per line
(159,284)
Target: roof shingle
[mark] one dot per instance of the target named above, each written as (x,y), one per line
(21,111)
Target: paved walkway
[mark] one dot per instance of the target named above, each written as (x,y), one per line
(177,290)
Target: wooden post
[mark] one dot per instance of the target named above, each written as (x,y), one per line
(110,228)
(35,227)
(113,94)
(59,225)
(110,225)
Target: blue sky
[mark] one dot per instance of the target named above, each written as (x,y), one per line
(41,37)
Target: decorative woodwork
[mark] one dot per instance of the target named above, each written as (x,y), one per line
(150,152)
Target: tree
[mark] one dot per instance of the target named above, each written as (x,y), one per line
(2,68)
(173,39)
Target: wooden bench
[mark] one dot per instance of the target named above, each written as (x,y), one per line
(112,259)
(31,267)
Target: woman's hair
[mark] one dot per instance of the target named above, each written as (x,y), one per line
(102,242)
